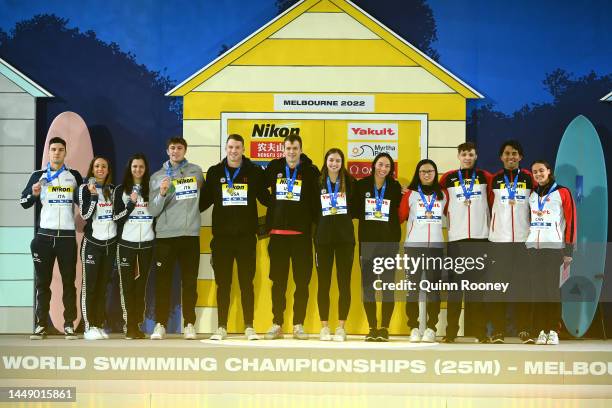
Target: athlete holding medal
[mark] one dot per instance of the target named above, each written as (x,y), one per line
(53,190)
(136,238)
(423,206)
(551,241)
(233,187)
(509,198)
(174,201)
(468,229)
(376,202)
(293,208)
(99,245)
(334,237)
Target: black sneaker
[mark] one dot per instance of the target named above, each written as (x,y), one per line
(40,333)
(483,339)
(372,335)
(69,333)
(448,339)
(134,334)
(383,335)
(498,338)
(525,337)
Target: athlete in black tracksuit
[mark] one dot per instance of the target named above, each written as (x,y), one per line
(334,236)
(296,217)
(55,239)
(136,236)
(97,255)
(234,228)
(381,239)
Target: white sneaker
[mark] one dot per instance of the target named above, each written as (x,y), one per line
(92,334)
(325,334)
(542,338)
(553,338)
(415,335)
(69,333)
(299,333)
(274,332)
(219,334)
(429,336)
(159,332)
(251,334)
(103,333)
(340,334)
(189,332)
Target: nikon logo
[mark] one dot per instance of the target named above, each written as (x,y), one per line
(271,130)
(61,189)
(185,180)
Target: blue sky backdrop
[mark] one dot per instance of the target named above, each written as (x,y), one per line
(502,48)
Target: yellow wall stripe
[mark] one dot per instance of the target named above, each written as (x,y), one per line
(325,53)
(324,7)
(205,237)
(207,293)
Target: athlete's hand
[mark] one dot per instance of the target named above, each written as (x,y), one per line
(404,190)
(164,186)
(567,260)
(134,197)
(36,188)
(92,189)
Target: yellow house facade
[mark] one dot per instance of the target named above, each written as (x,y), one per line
(328,71)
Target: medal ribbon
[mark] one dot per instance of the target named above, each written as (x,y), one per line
(541,204)
(290,178)
(379,198)
(428,205)
(467,193)
(230,180)
(511,189)
(333,197)
(170,172)
(50,177)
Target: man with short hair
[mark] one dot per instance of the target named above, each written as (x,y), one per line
(293,207)
(467,211)
(234,185)
(509,193)
(174,201)
(53,190)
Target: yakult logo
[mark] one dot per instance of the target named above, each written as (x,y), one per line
(372,131)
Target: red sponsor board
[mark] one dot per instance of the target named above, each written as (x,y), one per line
(266,150)
(362,169)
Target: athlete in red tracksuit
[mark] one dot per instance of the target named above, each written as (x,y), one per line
(552,237)
(468,229)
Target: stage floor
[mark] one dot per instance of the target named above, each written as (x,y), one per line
(271,373)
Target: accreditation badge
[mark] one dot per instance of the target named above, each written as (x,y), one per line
(373,214)
(238,195)
(185,188)
(59,196)
(282,192)
(140,214)
(328,209)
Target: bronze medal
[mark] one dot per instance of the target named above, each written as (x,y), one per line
(512,202)
(429,214)
(467,202)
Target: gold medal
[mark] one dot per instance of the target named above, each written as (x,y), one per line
(230,190)
(333,210)
(289,195)
(378,214)
(429,214)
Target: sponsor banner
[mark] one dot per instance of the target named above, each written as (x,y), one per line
(363,169)
(323,103)
(397,362)
(372,131)
(369,150)
(267,150)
